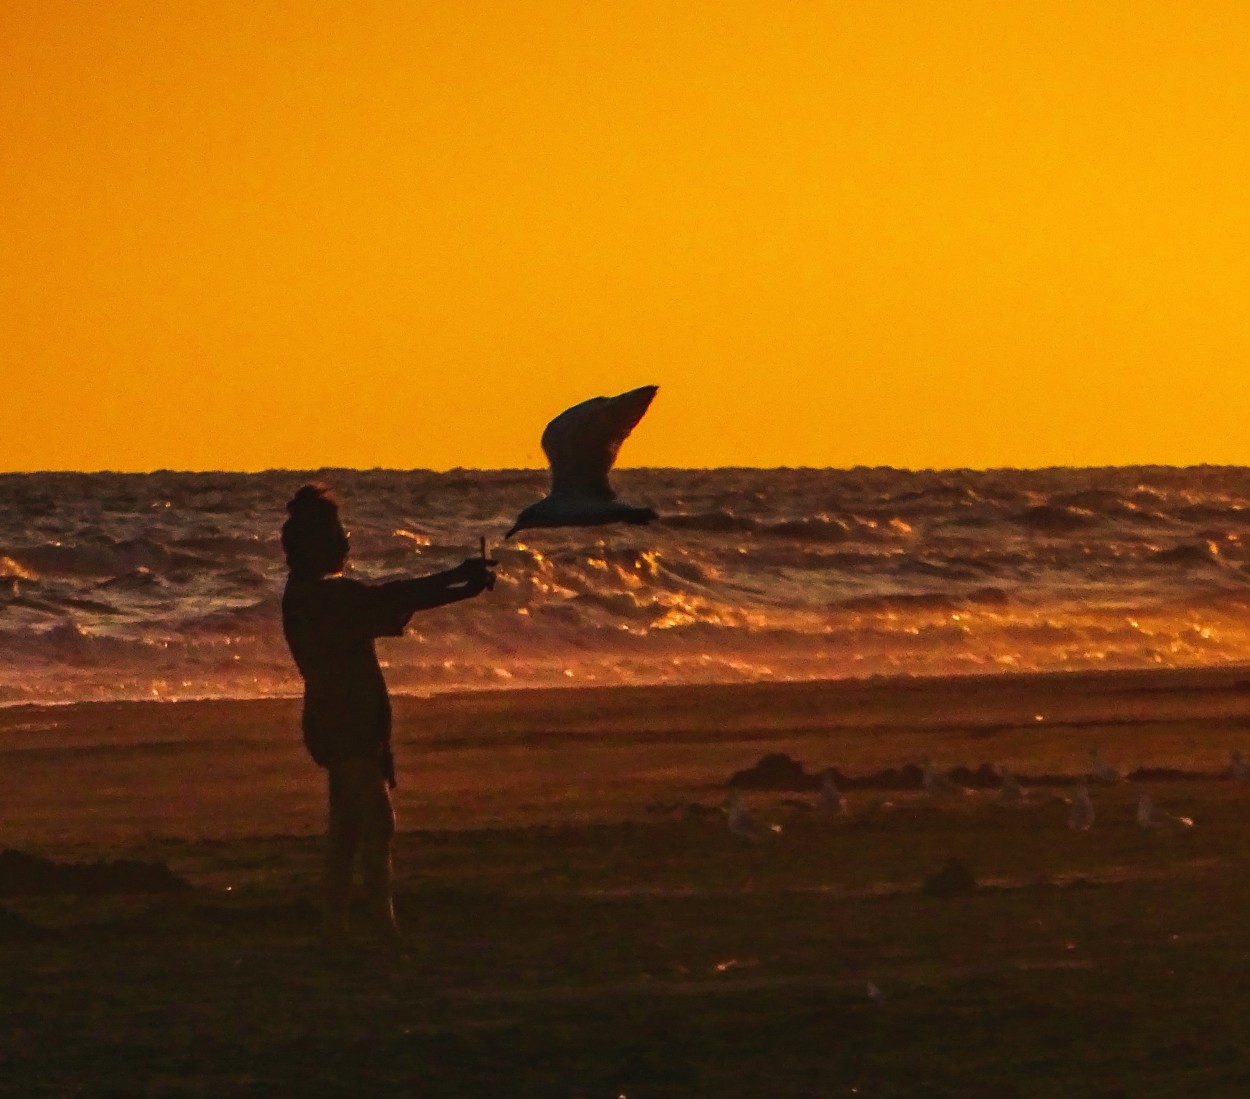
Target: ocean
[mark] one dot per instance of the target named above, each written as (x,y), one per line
(167,585)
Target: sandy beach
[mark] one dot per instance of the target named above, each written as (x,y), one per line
(582,922)
(99,775)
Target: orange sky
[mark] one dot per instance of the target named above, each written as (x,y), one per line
(249,234)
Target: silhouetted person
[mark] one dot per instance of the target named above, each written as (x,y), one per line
(330,623)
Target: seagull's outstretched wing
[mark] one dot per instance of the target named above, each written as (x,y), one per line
(581,443)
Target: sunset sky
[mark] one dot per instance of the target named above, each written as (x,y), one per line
(240,235)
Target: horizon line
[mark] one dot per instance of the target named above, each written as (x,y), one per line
(105,471)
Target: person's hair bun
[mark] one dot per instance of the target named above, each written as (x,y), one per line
(313,501)
(313,538)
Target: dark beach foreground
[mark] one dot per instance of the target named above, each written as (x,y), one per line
(582,922)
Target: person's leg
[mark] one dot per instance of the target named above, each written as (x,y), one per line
(377,827)
(366,823)
(342,839)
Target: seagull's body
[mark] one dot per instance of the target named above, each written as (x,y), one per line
(1010,793)
(1100,770)
(742,823)
(1081,815)
(935,784)
(831,799)
(581,444)
(1154,819)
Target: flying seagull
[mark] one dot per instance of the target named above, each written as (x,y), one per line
(581,445)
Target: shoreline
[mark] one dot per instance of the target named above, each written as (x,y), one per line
(108,774)
(1197,672)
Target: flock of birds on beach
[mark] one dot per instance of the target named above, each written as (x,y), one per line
(1081,814)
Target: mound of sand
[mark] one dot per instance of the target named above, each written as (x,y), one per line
(775,771)
(15,928)
(953,880)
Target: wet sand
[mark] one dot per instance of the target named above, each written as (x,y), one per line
(583,923)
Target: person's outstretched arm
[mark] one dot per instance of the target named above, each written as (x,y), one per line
(398,600)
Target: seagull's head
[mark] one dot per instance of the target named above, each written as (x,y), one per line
(536,515)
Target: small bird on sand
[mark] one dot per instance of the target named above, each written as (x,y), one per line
(742,823)
(1151,817)
(1239,768)
(1102,771)
(936,784)
(581,444)
(1081,815)
(831,799)
(1010,793)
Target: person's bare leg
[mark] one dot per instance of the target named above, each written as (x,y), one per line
(362,821)
(377,829)
(342,840)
